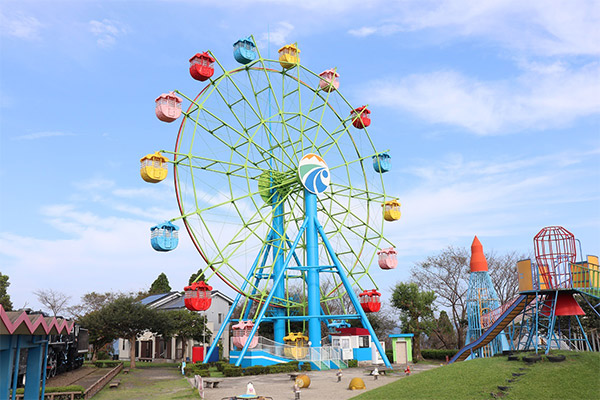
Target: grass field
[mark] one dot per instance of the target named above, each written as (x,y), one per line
(576,378)
(150,383)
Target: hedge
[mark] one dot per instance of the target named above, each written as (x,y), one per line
(61,389)
(197,369)
(107,363)
(292,366)
(352,363)
(438,354)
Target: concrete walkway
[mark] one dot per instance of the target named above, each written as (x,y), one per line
(323,385)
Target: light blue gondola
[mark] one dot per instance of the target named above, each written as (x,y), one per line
(382,162)
(164,237)
(335,324)
(244,50)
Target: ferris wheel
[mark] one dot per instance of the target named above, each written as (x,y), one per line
(253,145)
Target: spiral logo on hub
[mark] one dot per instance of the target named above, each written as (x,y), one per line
(313,173)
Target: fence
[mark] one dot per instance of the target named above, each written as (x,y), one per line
(100,383)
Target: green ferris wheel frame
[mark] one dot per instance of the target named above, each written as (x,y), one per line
(259,129)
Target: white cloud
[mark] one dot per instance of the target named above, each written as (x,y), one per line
(559,27)
(41,135)
(20,26)
(542,97)
(107,31)
(458,197)
(279,35)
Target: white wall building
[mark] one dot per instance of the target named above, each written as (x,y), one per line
(151,347)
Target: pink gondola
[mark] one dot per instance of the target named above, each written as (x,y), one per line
(241,332)
(388,258)
(329,80)
(168,107)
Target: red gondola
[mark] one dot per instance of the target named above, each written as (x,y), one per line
(370,300)
(197,296)
(360,117)
(201,66)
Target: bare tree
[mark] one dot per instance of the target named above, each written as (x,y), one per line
(447,274)
(503,271)
(52,300)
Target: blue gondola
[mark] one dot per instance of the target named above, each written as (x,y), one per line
(164,237)
(244,50)
(382,162)
(335,324)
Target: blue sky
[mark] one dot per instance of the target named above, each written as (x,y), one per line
(491,111)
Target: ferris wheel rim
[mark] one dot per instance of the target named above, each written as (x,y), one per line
(214,82)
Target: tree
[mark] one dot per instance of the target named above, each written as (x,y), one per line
(160,285)
(128,318)
(442,334)
(93,301)
(187,325)
(447,274)
(416,311)
(100,332)
(4,296)
(198,276)
(53,300)
(503,271)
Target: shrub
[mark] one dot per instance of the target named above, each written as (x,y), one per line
(352,363)
(232,371)
(438,354)
(306,367)
(197,369)
(107,363)
(220,365)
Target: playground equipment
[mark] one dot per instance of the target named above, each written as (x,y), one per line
(164,237)
(357,384)
(168,107)
(276,189)
(303,381)
(481,299)
(197,296)
(532,321)
(202,66)
(360,117)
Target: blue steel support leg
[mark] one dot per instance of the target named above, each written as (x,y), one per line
(45,367)
(312,275)
(231,309)
(34,371)
(278,261)
(16,370)
(350,291)
(257,280)
(7,360)
(263,309)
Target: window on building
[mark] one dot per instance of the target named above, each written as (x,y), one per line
(220,318)
(363,341)
(345,343)
(335,342)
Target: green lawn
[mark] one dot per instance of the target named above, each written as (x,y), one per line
(577,378)
(145,384)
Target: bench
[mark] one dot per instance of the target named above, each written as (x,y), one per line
(381,371)
(115,384)
(211,384)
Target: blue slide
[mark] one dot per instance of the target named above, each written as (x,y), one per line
(498,326)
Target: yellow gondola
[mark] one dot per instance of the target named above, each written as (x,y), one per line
(296,345)
(289,56)
(391,210)
(154,167)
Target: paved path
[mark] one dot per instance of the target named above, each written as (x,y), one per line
(323,384)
